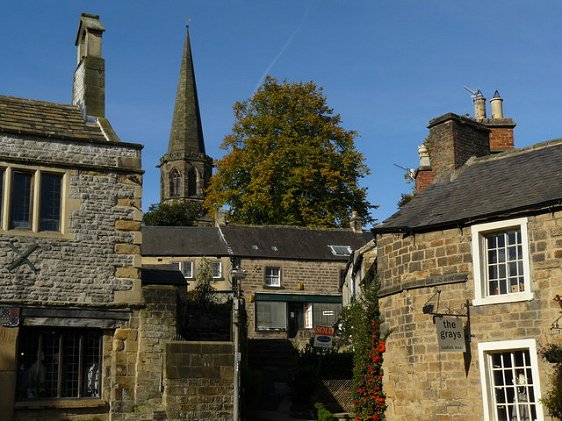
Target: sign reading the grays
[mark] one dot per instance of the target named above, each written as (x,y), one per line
(450,334)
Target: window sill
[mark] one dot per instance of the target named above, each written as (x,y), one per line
(19,232)
(272,287)
(61,403)
(502,299)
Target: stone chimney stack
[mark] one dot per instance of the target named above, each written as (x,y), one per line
(423,175)
(501,129)
(356,223)
(479,106)
(89,77)
(452,140)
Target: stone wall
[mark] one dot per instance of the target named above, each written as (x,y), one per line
(423,384)
(97,254)
(198,381)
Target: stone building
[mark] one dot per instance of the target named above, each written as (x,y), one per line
(469,270)
(84,332)
(289,276)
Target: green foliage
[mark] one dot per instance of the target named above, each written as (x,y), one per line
(177,213)
(322,413)
(361,323)
(289,161)
(552,399)
(204,292)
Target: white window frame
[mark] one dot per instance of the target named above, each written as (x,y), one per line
(484,351)
(183,266)
(479,260)
(213,265)
(35,199)
(272,280)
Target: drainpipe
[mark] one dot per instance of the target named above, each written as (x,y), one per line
(237,276)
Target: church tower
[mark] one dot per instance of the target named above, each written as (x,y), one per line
(185,169)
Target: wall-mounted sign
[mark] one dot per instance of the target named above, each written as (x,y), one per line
(450,334)
(323,336)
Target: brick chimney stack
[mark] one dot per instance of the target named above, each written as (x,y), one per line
(452,140)
(501,129)
(89,77)
(423,175)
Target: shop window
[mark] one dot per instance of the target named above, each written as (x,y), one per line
(510,380)
(271,315)
(58,363)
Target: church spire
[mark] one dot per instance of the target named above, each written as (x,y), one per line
(187,133)
(185,169)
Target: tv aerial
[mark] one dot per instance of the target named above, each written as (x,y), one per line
(410,173)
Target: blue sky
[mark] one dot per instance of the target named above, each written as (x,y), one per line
(387,67)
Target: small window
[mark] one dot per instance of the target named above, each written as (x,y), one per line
(192,182)
(501,262)
(308,316)
(216,269)
(271,315)
(175,181)
(50,202)
(273,276)
(58,363)
(340,250)
(510,381)
(21,204)
(187,269)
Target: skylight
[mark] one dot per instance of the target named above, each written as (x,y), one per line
(340,250)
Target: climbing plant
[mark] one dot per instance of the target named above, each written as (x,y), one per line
(361,327)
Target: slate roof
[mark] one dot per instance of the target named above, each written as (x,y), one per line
(275,242)
(182,241)
(486,188)
(45,119)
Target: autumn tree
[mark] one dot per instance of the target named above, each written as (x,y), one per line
(289,161)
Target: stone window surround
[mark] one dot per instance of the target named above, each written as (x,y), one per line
(479,259)
(272,280)
(485,349)
(36,192)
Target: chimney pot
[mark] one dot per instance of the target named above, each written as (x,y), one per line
(479,106)
(496,103)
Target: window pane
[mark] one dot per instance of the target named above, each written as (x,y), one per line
(273,276)
(271,315)
(20,201)
(50,202)
(513,394)
(58,363)
(216,269)
(187,269)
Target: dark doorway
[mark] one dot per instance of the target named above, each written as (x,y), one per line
(296,318)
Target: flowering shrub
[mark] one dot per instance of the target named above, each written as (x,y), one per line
(552,398)
(369,398)
(361,323)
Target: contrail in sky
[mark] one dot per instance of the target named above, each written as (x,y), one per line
(280,53)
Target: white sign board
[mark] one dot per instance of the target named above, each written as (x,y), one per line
(323,336)
(450,334)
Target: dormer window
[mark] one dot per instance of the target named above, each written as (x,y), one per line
(340,250)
